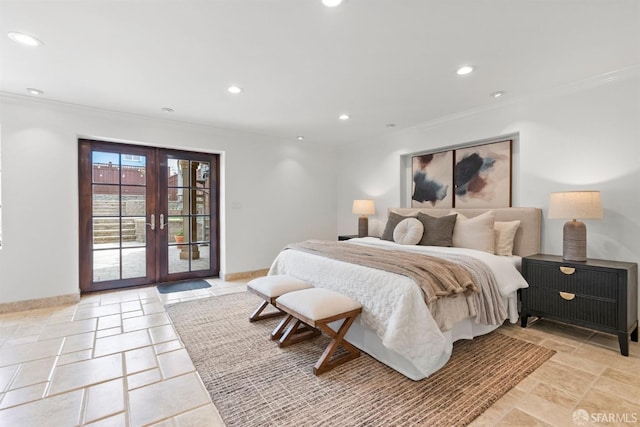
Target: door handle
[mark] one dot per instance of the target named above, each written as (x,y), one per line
(162,223)
(152,224)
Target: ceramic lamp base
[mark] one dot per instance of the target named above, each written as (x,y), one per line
(574,241)
(363,226)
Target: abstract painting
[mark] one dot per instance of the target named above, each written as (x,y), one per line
(482,176)
(432,180)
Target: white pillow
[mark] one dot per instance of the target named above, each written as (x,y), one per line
(474,233)
(408,232)
(505,233)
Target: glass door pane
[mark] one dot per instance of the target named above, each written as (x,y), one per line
(118,215)
(188,206)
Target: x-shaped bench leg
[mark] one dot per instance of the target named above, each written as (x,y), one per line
(257,314)
(325,362)
(295,332)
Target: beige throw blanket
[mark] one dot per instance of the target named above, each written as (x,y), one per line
(487,306)
(437,277)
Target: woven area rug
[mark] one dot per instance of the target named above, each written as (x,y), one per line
(189,285)
(254,383)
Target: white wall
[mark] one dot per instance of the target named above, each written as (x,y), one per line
(274,191)
(582,137)
(586,136)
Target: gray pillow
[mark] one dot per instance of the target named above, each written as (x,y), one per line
(437,231)
(393,220)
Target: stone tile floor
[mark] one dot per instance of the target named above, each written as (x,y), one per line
(114,359)
(587,376)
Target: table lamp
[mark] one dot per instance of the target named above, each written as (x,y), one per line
(575,205)
(363,208)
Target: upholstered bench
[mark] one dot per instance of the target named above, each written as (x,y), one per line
(271,287)
(311,310)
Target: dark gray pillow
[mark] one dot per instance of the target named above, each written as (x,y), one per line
(437,231)
(393,220)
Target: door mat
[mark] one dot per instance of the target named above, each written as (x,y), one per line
(190,285)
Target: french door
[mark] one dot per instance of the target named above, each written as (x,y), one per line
(147,215)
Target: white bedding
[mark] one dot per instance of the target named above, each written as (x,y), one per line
(393,305)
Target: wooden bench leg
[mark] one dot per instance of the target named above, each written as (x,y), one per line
(258,316)
(296,332)
(325,362)
(279,330)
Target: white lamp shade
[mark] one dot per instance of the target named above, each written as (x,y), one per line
(364,207)
(576,205)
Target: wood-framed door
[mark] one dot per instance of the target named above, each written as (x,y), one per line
(135,203)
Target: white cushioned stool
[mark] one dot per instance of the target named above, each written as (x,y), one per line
(271,287)
(314,309)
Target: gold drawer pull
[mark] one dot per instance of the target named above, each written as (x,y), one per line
(567,296)
(568,270)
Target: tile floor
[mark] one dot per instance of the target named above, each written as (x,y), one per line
(114,359)
(587,373)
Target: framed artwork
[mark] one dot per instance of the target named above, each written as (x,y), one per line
(432,180)
(471,177)
(482,176)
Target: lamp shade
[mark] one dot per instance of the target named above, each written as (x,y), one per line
(364,207)
(576,205)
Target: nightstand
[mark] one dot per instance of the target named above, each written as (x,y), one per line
(347,237)
(597,294)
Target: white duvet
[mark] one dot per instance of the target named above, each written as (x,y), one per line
(393,305)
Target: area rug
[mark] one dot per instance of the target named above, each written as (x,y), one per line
(252,382)
(190,285)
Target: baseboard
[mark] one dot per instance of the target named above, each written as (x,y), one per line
(244,275)
(32,304)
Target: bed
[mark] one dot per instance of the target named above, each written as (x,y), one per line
(398,326)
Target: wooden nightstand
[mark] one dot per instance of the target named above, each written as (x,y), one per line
(347,237)
(596,294)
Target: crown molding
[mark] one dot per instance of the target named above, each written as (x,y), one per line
(603,79)
(27,99)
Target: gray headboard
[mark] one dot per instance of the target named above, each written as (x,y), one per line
(527,240)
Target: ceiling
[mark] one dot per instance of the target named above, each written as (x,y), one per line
(302,64)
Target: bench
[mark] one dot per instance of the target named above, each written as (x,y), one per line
(271,287)
(309,312)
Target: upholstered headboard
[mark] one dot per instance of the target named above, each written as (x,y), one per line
(527,240)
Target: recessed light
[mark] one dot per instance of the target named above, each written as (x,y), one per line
(34,91)
(300,138)
(464,70)
(344,117)
(331,3)
(24,39)
(167,110)
(234,89)
(497,94)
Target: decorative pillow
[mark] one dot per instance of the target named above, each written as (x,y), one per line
(437,231)
(474,233)
(408,232)
(393,220)
(505,233)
